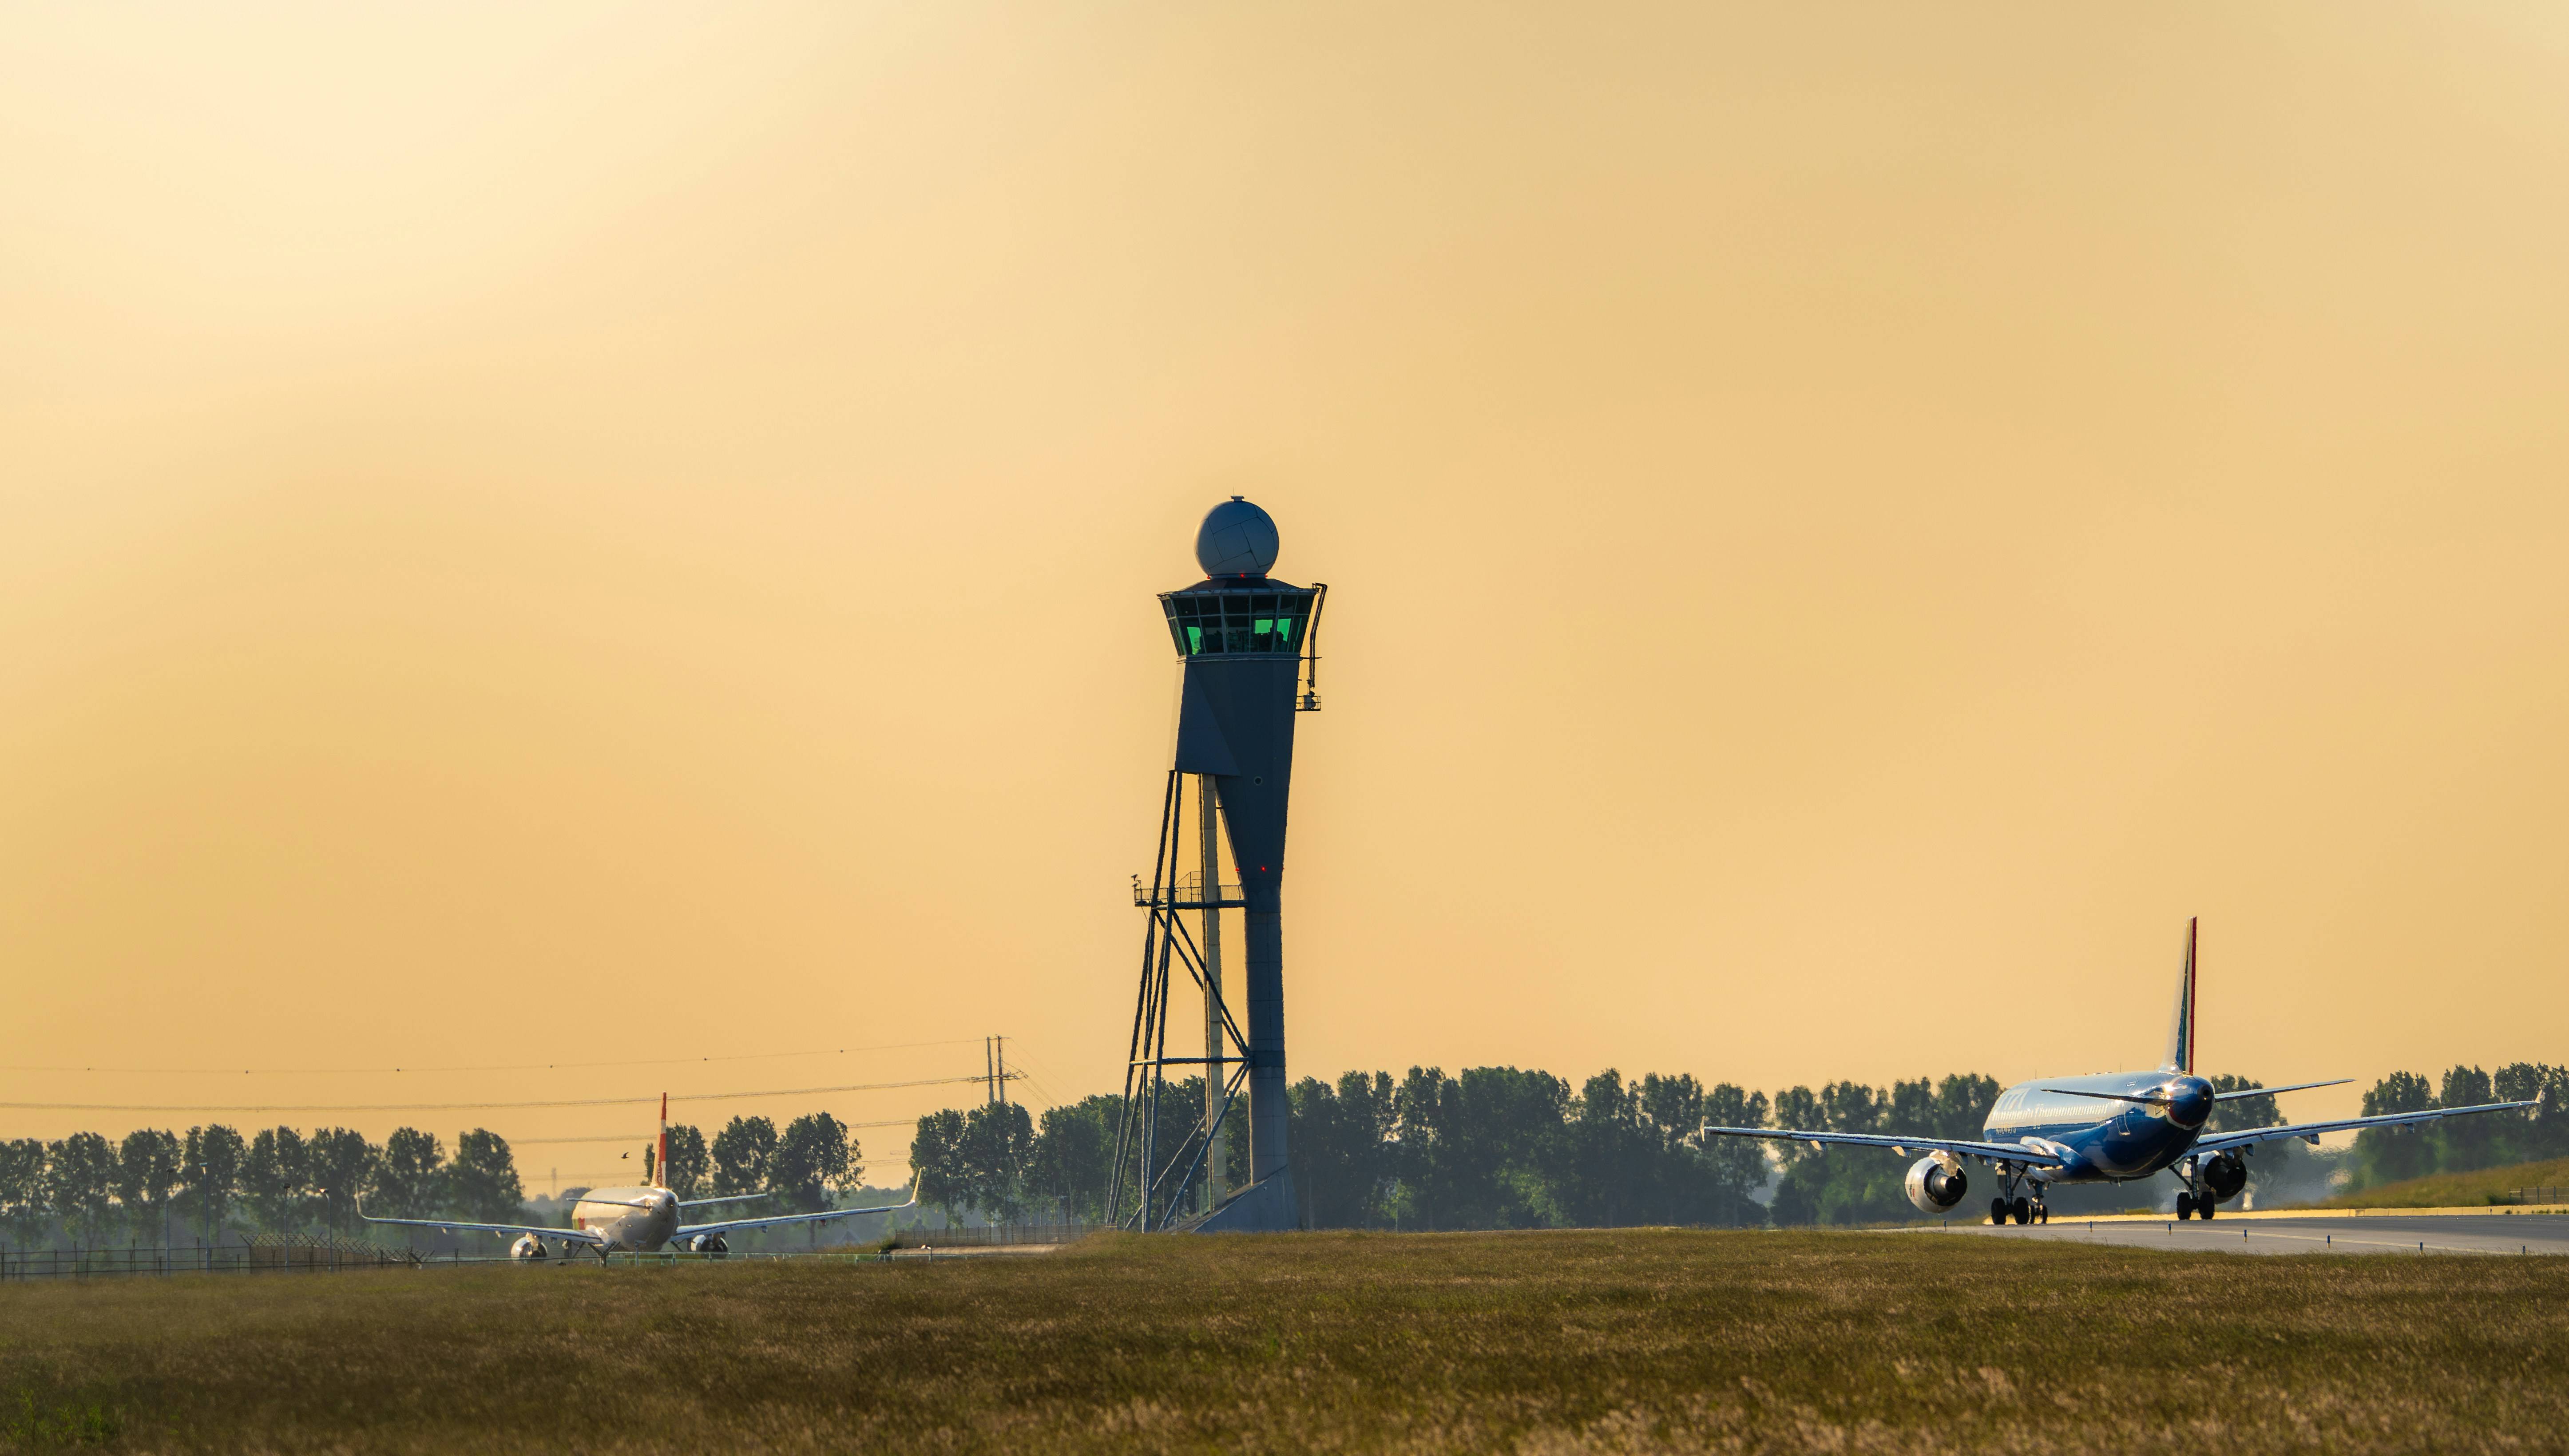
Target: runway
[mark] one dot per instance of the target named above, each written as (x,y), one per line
(2305,1232)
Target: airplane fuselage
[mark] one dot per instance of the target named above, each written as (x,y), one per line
(2104,1139)
(638,1219)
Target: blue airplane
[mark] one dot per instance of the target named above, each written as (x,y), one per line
(2052,1130)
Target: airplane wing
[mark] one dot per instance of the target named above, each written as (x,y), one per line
(729,1198)
(1987,1152)
(735,1226)
(2216,1142)
(451,1226)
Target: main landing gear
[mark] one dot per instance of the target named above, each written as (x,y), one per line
(2195,1206)
(2021,1209)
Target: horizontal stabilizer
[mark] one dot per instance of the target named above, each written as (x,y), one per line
(2024,1153)
(729,1198)
(2271,1091)
(2161,1100)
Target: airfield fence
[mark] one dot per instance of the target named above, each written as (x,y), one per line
(2539,1195)
(987,1236)
(298,1254)
(322,1254)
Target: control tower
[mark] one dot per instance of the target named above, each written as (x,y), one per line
(1245,642)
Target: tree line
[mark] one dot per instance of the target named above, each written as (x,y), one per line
(2463,1144)
(1505,1148)
(1492,1147)
(157,1186)
(810,1166)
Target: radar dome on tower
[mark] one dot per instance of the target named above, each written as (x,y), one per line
(1236,539)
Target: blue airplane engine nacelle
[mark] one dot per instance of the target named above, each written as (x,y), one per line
(1935,1188)
(2224,1175)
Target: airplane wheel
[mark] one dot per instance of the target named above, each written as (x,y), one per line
(1997,1211)
(2023,1210)
(2203,1208)
(2042,1214)
(2186,1206)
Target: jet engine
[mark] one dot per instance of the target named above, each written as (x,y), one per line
(526,1246)
(1935,1188)
(2223,1175)
(708,1243)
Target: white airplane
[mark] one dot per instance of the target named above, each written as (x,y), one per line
(637,1220)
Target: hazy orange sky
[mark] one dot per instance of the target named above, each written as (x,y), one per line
(606,532)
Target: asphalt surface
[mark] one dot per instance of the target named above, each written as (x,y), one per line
(2509,1234)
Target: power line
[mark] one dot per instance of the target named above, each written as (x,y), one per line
(751,1056)
(647,1136)
(641,1101)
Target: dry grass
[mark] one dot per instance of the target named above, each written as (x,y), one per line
(2488,1185)
(1645,1340)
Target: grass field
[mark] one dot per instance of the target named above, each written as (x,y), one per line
(2457,1189)
(1627,1342)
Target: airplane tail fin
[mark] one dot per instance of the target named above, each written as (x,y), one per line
(2180,1056)
(660,1169)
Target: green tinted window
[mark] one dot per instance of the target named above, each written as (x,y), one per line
(1205,623)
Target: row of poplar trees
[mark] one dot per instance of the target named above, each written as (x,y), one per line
(1492,1147)
(158,1186)
(2464,1144)
(1505,1148)
(810,1166)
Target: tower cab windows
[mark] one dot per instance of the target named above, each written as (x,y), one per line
(1232,623)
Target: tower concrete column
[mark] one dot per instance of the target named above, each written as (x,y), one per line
(1262,968)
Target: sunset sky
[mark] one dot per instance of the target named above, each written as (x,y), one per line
(596,533)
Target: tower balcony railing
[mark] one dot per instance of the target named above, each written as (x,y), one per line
(1188,893)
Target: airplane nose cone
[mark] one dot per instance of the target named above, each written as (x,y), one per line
(2189,1102)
